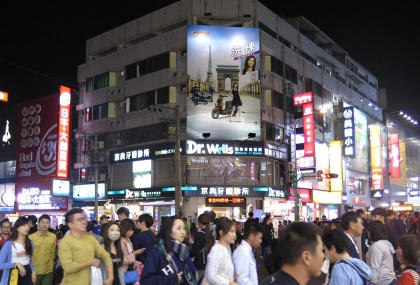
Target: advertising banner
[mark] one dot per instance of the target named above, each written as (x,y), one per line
(309,129)
(394,155)
(349,136)
(64,126)
(223,75)
(360,160)
(322,166)
(7,198)
(376,157)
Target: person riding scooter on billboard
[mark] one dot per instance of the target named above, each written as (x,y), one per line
(195,91)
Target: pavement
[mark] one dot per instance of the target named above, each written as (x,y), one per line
(200,120)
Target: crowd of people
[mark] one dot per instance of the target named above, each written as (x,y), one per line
(382,250)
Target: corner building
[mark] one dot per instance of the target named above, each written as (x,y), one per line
(137,91)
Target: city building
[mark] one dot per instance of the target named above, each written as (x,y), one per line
(137,98)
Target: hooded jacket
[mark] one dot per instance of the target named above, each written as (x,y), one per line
(380,260)
(350,271)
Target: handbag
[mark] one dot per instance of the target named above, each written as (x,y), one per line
(131,275)
(14,275)
(95,276)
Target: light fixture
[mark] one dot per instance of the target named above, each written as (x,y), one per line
(251,135)
(411,121)
(361,99)
(409,118)
(206,135)
(415,122)
(376,108)
(323,111)
(405,116)
(401,112)
(370,104)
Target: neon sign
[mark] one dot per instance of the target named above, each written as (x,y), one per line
(349,139)
(300,99)
(376,157)
(63,133)
(309,129)
(394,155)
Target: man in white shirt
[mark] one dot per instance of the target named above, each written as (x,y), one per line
(353,227)
(243,258)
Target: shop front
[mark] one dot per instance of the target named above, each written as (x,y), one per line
(331,202)
(84,198)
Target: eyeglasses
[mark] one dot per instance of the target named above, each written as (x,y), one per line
(80,220)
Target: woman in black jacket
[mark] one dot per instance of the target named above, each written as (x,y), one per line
(198,247)
(267,240)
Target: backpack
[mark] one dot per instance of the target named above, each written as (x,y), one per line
(413,226)
(366,282)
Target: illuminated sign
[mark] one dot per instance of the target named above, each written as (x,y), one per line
(357,200)
(405,208)
(214,54)
(142,173)
(7,198)
(305,195)
(349,136)
(325,197)
(300,99)
(224,148)
(276,193)
(226,202)
(61,187)
(217,191)
(377,194)
(335,166)
(4,96)
(34,198)
(8,169)
(305,162)
(279,152)
(322,166)
(413,193)
(64,121)
(376,157)
(132,154)
(87,192)
(131,194)
(394,155)
(309,129)
(149,193)
(233,191)
(361,148)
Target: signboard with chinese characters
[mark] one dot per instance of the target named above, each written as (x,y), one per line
(85,192)
(39,198)
(309,129)
(376,157)
(336,166)
(226,202)
(147,193)
(394,155)
(303,98)
(348,129)
(217,191)
(361,144)
(61,187)
(223,148)
(64,121)
(279,152)
(325,197)
(214,54)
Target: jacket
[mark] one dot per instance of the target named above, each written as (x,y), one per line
(267,239)
(5,261)
(129,256)
(197,250)
(350,271)
(158,271)
(392,236)
(400,228)
(245,264)
(147,240)
(380,260)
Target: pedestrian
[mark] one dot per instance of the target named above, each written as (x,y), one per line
(352,227)
(123,213)
(380,257)
(346,270)
(250,219)
(112,244)
(198,251)
(32,224)
(400,227)
(301,249)
(127,229)
(144,241)
(243,257)
(90,228)
(78,252)
(6,228)
(102,220)
(267,240)
(187,227)
(170,262)
(17,252)
(380,214)
(219,268)
(45,244)
(408,254)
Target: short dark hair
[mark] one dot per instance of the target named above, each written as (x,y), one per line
(379,211)
(410,246)
(5,221)
(33,219)
(360,212)
(44,217)
(391,213)
(253,229)
(347,218)
(251,214)
(416,214)
(123,210)
(147,219)
(95,222)
(296,238)
(126,225)
(338,225)
(185,219)
(336,238)
(22,221)
(377,231)
(89,227)
(69,215)
(402,214)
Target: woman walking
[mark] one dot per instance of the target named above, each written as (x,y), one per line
(17,252)
(169,262)
(198,251)
(127,229)
(112,244)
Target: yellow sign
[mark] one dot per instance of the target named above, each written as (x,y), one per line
(336,167)
(4,96)
(325,197)
(405,208)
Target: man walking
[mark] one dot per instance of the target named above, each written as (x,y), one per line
(243,258)
(45,243)
(78,252)
(352,226)
(302,255)
(5,231)
(146,239)
(32,221)
(123,213)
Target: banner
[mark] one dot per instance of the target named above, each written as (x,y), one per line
(394,155)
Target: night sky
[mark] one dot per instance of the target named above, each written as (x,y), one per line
(50,40)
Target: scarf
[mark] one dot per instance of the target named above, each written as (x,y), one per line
(179,253)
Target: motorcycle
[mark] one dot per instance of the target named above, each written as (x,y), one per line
(223,109)
(208,96)
(199,98)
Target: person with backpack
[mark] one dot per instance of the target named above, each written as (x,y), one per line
(198,251)
(346,270)
(413,225)
(408,254)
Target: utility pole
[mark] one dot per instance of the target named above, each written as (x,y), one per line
(96,178)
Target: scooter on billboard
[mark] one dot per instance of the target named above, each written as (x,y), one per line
(199,98)
(223,109)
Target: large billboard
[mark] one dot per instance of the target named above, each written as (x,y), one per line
(8,132)
(223,76)
(361,146)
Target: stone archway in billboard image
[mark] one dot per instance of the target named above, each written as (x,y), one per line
(226,71)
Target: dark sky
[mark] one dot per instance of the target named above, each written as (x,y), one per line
(50,40)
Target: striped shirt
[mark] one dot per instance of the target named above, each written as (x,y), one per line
(219,269)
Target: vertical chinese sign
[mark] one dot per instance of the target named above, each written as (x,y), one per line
(376,157)
(348,129)
(64,120)
(394,155)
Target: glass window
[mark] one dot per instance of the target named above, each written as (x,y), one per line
(89,84)
(100,111)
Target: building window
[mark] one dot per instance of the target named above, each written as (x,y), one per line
(88,114)
(147,66)
(89,84)
(100,111)
(100,81)
(276,66)
(144,100)
(145,134)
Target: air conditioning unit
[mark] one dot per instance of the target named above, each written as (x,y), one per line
(289,166)
(289,177)
(117,142)
(101,177)
(99,145)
